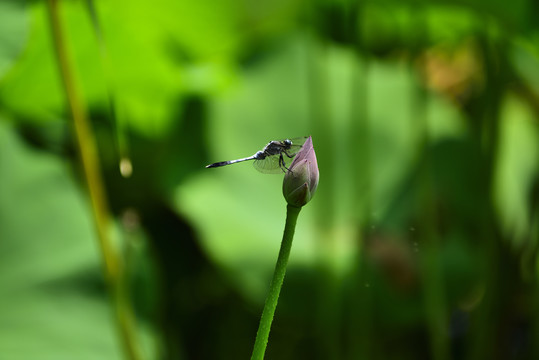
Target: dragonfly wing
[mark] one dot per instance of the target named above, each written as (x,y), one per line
(296,146)
(269,165)
(299,141)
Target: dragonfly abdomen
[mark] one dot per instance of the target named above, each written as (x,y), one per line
(223,163)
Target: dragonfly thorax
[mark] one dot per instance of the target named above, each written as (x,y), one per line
(276,147)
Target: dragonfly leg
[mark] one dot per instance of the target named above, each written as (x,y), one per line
(281,162)
(287,154)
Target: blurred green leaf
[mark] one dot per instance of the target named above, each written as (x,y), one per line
(52,299)
(518,164)
(13,32)
(148,48)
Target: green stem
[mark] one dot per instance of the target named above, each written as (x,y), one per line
(90,162)
(85,141)
(264,328)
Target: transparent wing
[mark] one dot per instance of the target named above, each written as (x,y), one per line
(297,143)
(269,165)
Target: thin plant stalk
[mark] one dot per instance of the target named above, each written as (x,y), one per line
(88,155)
(264,327)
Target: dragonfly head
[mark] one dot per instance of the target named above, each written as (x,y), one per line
(287,142)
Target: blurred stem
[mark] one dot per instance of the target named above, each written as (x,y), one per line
(487,134)
(359,136)
(361,329)
(90,163)
(264,327)
(324,129)
(431,271)
(362,132)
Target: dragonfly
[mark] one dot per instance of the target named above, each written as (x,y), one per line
(274,158)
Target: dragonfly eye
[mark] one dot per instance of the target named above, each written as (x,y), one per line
(287,142)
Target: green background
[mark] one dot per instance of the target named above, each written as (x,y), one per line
(420,243)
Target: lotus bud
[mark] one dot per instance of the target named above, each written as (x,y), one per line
(301,178)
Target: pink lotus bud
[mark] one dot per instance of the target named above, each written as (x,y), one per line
(301,179)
